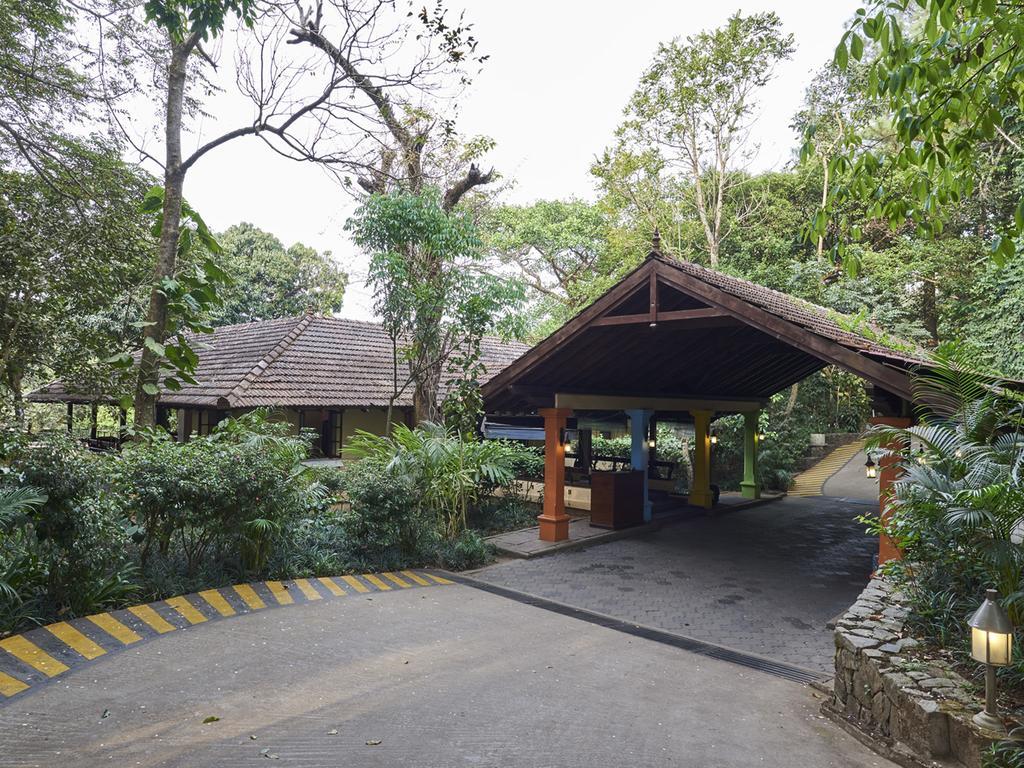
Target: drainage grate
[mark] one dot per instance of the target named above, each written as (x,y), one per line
(777,668)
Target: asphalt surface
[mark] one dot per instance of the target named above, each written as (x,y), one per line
(450,676)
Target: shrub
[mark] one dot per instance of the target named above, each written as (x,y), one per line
(385,525)
(65,546)
(503,513)
(447,473)
(958,509)
(229,494)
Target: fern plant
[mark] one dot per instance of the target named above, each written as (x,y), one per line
(961,494)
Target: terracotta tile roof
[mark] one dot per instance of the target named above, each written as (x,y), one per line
(294,362)
(866,339)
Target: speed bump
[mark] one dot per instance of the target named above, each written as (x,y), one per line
(34,657)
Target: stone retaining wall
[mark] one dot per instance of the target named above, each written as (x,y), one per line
(919,710)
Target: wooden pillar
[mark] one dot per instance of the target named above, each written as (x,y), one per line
(889,472)
(184,424)
(94,419)
(750,487)
(71,418)
(554,523)
(639,422)
(700,483)
(122,423)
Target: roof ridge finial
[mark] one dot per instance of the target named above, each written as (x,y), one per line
(656,241)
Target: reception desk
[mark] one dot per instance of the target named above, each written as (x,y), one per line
(616,499)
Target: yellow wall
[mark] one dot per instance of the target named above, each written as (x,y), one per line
(371,420)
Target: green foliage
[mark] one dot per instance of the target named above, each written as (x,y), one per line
(180,18)
(695,106)
(1006,753)
(556,246)
(959,505)
(384,526)
(228,494)
(65,258)
(434,306)
(948,74)
(64,548)
(190,295)
(270,281)
(829,401)
(448,473)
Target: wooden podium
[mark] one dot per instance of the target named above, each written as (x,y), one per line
(617,499)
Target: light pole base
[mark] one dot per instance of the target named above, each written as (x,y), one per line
(989,722)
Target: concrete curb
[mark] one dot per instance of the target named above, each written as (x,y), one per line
(35,657)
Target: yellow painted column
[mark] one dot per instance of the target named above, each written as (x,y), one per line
(700,483)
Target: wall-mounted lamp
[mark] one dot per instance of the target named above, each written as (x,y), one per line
(992,645)
(714,439)
(760,436)
(651,443)
(870,468)
(568,435)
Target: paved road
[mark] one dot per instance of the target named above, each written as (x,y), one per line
(765,580)
(850,482)
(439,677)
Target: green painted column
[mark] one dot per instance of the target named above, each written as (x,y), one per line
(751,490)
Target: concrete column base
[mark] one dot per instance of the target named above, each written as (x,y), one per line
(553,528)
(700,498)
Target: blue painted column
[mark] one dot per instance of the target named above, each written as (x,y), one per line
(639,422)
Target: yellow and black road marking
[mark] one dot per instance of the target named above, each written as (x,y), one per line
(44,653)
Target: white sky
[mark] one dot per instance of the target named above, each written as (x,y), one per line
(551,94)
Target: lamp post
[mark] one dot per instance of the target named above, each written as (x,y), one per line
(992,645)
(870,468)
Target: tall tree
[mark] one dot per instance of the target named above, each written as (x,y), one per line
(948,74)
(696,104)
(555,246)
(70,269)
(434,305)
(271,281)
(318,109)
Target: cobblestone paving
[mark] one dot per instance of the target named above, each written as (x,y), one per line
(764,580)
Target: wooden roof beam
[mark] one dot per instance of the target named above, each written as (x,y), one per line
(678,315)
(583,402)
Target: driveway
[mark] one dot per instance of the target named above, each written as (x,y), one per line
(766,580)
(451,676)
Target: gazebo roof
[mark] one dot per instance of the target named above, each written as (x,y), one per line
(676,330)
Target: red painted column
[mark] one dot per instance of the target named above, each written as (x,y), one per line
(888,473)
(554,523)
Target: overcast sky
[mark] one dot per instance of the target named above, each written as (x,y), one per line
(551,94)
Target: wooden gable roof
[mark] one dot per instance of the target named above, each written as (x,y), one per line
(674,329)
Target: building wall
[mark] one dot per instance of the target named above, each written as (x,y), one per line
(367,419)
(371,420)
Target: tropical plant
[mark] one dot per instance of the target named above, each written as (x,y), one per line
(450,473)
(962,492)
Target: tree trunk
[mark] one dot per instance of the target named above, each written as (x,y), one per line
(791,403)
(824,201)
(174,183)
(425,395)
(17,401)
(930,310)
